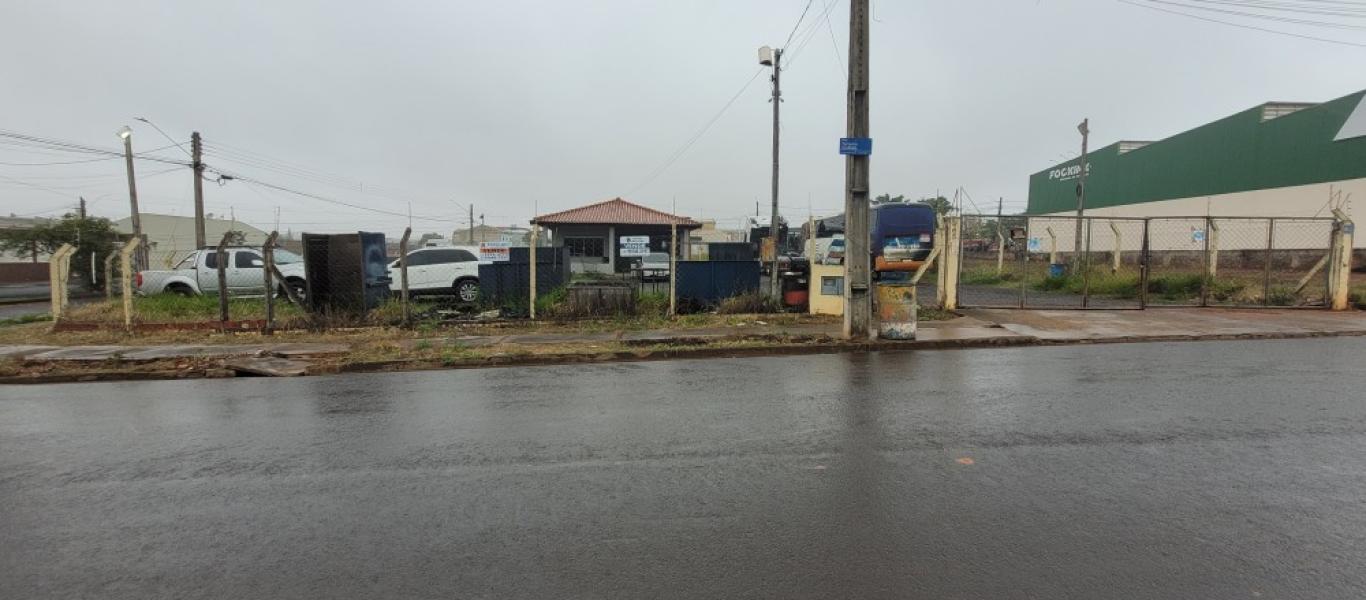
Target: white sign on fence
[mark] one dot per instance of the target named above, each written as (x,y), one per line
(635,245)
(494,251)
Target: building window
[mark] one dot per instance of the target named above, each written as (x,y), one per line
(585,247)
(832,286)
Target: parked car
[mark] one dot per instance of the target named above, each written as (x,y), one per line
(440,271)
(654,267)
(198,274)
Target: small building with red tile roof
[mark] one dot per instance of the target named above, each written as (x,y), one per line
(594,233)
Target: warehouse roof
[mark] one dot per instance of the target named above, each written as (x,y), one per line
(613,212)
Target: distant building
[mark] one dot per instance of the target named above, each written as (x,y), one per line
(1280,159)
(171,238)
(709,233)
(593,233)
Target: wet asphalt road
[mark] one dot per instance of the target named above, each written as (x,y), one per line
(1191,470)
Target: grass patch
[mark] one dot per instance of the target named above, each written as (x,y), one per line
(988,276)
(174,308)
(933,313)
(25,320)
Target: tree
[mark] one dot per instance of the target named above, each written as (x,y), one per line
(889,199)
(940,204)
(92,236)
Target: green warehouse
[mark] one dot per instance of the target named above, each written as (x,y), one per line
(1275,160)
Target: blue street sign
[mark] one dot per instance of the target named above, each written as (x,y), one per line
(856,146)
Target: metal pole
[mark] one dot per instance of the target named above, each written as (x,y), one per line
(197,162)
(1086,267)
(1204,268)
(777,99)
(1085,129)
(136,219)
(1145,266)
(857,297)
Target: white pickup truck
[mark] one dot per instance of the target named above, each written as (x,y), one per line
(198,274)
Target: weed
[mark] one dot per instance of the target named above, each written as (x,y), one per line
(748,303)
(26,319)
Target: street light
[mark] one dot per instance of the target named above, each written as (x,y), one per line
(126,134)
(772,57)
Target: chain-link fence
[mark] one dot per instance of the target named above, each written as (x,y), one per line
(1114,263)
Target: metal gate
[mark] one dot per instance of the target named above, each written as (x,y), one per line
(1111,263)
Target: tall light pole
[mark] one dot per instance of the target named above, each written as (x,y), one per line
(773,58)
(126,134)
(1085,129)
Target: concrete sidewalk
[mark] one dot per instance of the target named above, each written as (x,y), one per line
(975,327)
(1171,323)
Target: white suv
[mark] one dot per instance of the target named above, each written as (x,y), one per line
(448,270)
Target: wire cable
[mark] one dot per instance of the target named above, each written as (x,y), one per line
(1243,26)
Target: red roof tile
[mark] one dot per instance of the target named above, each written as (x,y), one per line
(614,212)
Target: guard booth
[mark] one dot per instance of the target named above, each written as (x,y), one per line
(345,273)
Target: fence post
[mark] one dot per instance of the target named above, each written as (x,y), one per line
(1052,246)
(109,275)
(57,281)
(941,239)
(1144,265)
(126,279)
(954,248)
(1340,272)
(673,269)
(1117,260)
(268,266)
(1086,265)
(1266,274)
(531,252)
(403,276)
(1213,241)
(1204,268)
(222,255)
(1000,250)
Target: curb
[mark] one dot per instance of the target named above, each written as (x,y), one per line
(801,349)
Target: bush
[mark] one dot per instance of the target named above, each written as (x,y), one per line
(652,304)
(749,303)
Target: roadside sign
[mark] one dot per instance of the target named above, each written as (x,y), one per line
(494,251)
(635,245)
(1036,244)
(856,146)
(1198,235)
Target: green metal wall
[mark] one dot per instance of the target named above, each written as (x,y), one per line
(1235,154)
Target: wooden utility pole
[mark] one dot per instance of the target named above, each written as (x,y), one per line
(471,223)
(82,209)
(857,300)
(197,164)
(1085,129)
(777,99)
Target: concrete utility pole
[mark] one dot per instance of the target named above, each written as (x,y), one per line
(136,217)
(857,301)
(197,162)
(1085,130)
(82,209)
(777,99)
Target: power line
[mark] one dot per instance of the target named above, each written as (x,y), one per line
(163,134)
(798,24)
(696,136)
(251,180)
(1276,18)
(1243,26)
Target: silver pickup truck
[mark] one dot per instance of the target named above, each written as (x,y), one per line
(198,274)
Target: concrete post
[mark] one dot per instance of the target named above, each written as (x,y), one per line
(57,279)
(673,269)
(1053,246)
(109,275)
(952,258)
(1213,248)
(1340,269)
(403,276)
(126,279)
(1117,259)
(531,252)
(941,241)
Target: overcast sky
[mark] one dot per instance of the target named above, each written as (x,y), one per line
(520,105)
